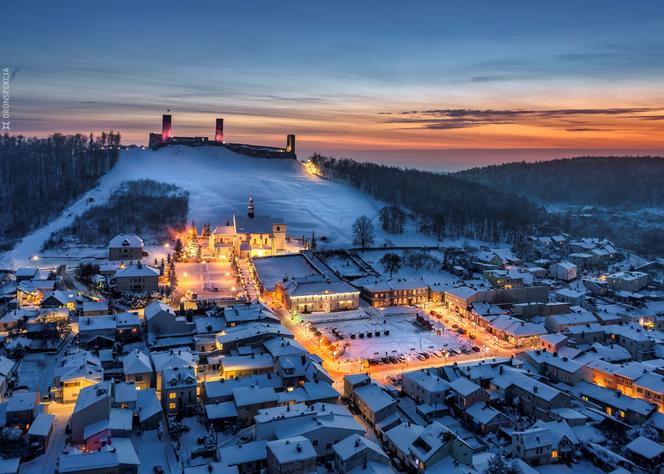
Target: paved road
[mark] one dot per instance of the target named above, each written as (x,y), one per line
(46,463)
(252,291)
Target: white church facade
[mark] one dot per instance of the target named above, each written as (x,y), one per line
(248,236)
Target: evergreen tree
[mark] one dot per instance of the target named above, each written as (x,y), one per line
(178,249)
(497,465)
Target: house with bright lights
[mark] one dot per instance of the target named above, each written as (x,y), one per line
(318,293)
(75,371)
(178,388)
(163,363)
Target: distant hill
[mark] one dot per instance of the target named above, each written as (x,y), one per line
(603,181)
(446,205)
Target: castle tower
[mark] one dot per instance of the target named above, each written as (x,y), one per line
(290,144)
(166,130)
(250,207)
(219,131)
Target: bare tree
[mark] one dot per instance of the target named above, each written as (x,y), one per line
(391,262)
(363,232)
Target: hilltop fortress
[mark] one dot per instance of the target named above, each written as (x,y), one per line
(166,138)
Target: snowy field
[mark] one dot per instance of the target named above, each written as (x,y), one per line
(430,272)
(404,337)
(219,182)
(35,371)
(344,265)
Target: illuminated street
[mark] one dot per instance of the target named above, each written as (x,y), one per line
(337,368)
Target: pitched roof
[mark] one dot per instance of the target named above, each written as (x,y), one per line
(126,240)
(353,444)
(645,447)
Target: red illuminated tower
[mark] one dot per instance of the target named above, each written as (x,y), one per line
(219,131)
(166,132)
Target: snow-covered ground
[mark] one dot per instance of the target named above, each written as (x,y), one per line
(219,182)
(404,337)
(203,278)
(430,272)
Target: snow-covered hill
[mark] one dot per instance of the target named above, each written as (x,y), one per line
(219,182)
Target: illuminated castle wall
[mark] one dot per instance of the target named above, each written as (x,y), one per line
(165,138)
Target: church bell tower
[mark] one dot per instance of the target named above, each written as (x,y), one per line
(250,207)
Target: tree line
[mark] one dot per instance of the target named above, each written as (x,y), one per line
(446,206)
(150,209)
(39,177)
(602,181)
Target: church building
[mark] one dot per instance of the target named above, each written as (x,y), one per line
(249,236)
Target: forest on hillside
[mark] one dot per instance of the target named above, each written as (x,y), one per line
(39,177)
(446,205)
(599,181)
(143,207)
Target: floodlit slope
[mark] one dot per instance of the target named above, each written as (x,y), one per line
(219,182)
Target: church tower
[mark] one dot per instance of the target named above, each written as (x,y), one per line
(250,207)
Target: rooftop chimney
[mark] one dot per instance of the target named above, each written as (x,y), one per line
(219,131)
(166,131)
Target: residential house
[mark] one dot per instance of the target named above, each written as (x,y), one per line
(137,368)
(534,446)
(294,455)
(435,443)
(248,400)
(125,247)
(485,419)
(21,410)
(631,410)
(564,441)
(248,458)
(40,431)
(76,371)
(646,453)
(561,322)
(565,271)
(178,389)
(531,396)
(94,308)
(357,452)
(136,278)
(120,458)
(464,393)
(375,404)
(627,281)
(92,406)
(425,386)
(161,321)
